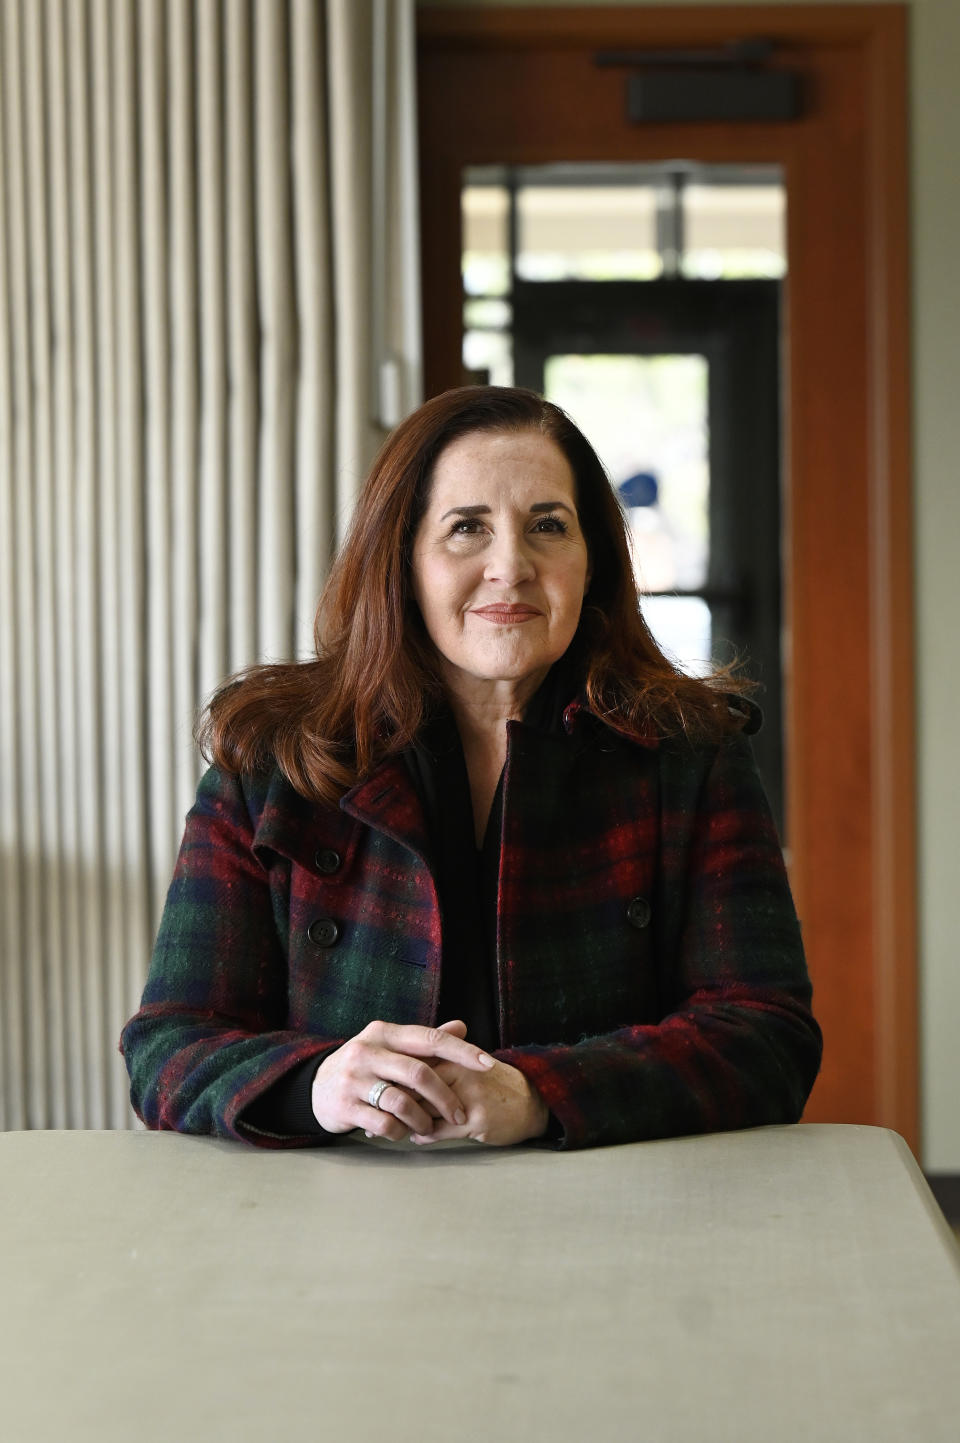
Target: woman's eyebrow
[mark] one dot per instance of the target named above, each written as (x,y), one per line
(551,506)
(466,511)
(535,509)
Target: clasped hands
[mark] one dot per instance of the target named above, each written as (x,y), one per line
(440,1087)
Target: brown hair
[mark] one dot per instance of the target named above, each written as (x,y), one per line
(328,721)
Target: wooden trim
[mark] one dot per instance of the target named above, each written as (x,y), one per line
(891,608)
(850,729)
(518,27)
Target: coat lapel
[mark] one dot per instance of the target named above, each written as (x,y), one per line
(387,801)
(293,826)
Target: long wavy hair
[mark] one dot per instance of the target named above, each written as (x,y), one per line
(328,721)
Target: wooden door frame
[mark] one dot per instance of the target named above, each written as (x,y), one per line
(849,731)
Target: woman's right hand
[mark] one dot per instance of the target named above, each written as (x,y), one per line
(403,1056)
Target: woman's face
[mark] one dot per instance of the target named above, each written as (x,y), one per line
(500,564)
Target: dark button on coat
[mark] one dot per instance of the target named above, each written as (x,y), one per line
(323,932)
(638,913)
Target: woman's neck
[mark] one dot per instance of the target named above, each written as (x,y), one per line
(481,709)
(481,715)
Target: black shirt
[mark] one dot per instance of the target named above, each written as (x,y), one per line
(467,880)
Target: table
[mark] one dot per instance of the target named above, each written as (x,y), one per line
(784,1283)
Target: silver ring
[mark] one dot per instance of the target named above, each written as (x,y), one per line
(375,1094)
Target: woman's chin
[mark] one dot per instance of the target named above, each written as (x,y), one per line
(519,672)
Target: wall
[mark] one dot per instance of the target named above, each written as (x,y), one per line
(208,255)
(935,181)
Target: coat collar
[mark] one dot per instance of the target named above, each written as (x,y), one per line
(578,718)
(294,826)
(291,825)
(387,801)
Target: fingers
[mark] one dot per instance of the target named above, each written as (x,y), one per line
(409,1059)
(418,1090)
(395,1120)
(341,1101)
(402,1110)
(445,1132)
(502,1108)
(438,1042)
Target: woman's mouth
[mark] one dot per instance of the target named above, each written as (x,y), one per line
(501,614)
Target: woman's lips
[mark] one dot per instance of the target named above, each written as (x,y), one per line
(506,615)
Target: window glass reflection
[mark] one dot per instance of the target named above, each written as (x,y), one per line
(647,418)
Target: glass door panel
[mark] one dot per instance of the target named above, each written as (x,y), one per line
(647,419)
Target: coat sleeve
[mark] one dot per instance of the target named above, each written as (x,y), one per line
(737,1045)
(210,1036)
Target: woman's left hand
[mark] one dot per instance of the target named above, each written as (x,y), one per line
(502,1107)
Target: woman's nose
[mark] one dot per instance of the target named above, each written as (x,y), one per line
(509,560)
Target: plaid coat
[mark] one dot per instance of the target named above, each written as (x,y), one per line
(651,977)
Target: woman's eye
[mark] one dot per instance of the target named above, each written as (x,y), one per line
(542,526)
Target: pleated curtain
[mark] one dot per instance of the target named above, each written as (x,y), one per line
(209,317)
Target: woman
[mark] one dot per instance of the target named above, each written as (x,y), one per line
(490,867)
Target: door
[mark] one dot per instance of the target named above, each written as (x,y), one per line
(522,87)
(590,346)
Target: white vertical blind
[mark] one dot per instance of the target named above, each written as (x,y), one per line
(35,1087)
(192,343)
(12,1011)
(83,481)
(314,525)
(184,382)
(110,961)
(44,566)
(242,324)
(277,328)
(157,447)
(64,554)
(212,560)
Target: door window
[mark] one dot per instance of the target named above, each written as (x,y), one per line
(646,417)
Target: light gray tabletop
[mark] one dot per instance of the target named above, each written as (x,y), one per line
(781,1284)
